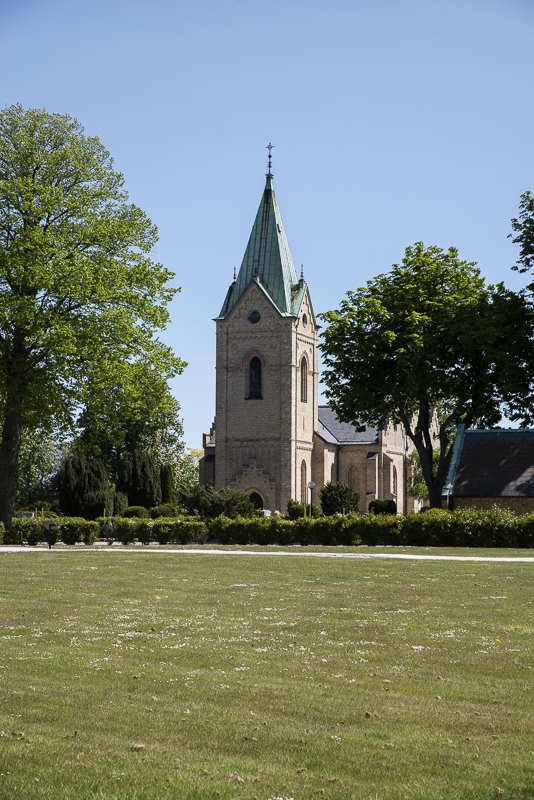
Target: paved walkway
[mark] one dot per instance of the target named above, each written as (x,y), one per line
(314,554)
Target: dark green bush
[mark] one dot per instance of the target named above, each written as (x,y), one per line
(135,511)
(120,503)
(32,530)
(382,529)
(76,529)
(338,498)
(297,510)
(382,507)
(163,510)
(127,530)
(96,503)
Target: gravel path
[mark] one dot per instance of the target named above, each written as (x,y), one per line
(315,554)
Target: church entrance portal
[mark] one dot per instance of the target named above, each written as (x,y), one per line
(256,500)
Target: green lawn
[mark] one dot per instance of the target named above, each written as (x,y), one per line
(132,675)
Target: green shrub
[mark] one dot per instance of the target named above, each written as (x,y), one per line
(120,503)
(163,510)
(135,511)
(30,529)
(381,529)
(338,498)
(76,529)
(12,537)
(127,530)
(524,530)
(218,529)
(382,507)
(2,533)
(96,503)
(297,510)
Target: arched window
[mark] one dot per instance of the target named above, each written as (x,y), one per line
(304,380)
(394,480)
(352,478)
(303,483)
(254,391)
(333,473)
(256,500)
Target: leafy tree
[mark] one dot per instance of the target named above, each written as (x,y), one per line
(81,482)
(139,478)
(206,502)
(187,468)
(78,290)
(128,409)
(523,226)
(40,458)
(430,335)
(416,483)
(338,498)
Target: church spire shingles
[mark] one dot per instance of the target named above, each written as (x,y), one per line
(267,258)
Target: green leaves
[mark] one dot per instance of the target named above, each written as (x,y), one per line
(430,335)
(78,290)
(523,226)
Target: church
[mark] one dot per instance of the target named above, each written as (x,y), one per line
(270,437)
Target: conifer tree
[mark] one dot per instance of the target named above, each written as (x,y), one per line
(81,481)
(168,492)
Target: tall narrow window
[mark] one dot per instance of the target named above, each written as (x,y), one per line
(394,480)
(303,482)
(255,379)
(304,380)
(333,473)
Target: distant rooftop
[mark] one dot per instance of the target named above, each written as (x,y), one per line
(494,463)
(335,432)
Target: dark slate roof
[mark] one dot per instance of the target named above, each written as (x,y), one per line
(496,464)
(335,432)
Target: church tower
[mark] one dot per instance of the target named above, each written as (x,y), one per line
(267,373)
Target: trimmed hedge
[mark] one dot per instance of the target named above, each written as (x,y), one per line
(435,528)
(135,511)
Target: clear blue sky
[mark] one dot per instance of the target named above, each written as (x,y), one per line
(393,122)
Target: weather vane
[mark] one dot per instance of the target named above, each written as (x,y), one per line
(269,148)
(302,272)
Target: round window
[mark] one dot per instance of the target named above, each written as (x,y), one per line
(304,320)
(254,317)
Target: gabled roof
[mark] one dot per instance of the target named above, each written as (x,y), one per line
(493,463)
(332,431)
(268,261)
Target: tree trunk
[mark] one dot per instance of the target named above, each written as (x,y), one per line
(9,463)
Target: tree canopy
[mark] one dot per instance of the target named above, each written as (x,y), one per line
(126,409)
(430,336)
(523,227)
(79,291)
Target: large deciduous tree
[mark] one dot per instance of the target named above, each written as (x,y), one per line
(78,288)
(523,227)
(430,335)
(125,411)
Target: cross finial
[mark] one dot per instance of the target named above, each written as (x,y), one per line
(302,272)
(269,148)
(235,276)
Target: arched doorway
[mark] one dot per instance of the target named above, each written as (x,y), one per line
(256,500)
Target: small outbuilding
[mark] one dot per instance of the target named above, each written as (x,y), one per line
(491,468)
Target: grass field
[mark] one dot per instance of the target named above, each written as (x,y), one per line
(133,676)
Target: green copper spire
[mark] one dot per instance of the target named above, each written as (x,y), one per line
(267,259)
